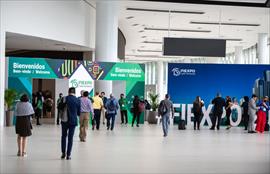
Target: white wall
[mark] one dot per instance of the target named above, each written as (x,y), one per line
(66,21)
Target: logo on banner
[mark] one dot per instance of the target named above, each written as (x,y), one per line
(181,72)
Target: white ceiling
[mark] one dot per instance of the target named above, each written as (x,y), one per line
(16,41)
(213,13)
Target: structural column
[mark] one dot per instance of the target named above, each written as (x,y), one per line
(160,78)
(238,55)
(2,67)
(263,52)
(106,38)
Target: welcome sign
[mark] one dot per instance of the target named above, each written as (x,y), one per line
(81,74)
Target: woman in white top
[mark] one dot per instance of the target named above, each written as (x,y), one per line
(23,112)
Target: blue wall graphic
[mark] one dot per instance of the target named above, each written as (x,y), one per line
(186,81)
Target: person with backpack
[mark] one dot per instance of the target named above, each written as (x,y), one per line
(72,107)
(136,110)
(49,104)
(164,110)
(112,107)
(197,111)
(123,108)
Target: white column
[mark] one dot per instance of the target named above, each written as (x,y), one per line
(106,38)
(160,77)
(263,52)
(2,67)
(238,55)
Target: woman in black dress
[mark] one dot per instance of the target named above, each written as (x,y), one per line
(228,111)
(23,113)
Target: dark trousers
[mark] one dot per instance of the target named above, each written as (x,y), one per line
(57,119)
(109,123)
(38,115)
(216,116)
(136,116)
(67,131)
(124,116)
(245,119)
(228,114)
(97,113)
(197,120)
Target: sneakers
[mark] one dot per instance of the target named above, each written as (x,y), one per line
(63,156)
(68,158)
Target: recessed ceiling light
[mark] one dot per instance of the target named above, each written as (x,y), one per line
(59,44)
(135,25)
(224,23)
(165,11)
(129,17)
(176,29)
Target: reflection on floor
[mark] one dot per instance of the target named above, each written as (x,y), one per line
(140,150)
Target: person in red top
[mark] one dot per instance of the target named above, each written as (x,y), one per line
(261,115)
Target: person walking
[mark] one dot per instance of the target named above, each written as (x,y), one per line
(136,111)
(228,110)
(164,110)
(58,101)
(48,106)
(112,107)
(252,109)
(218,103)
(197,111)
(97,105)
(39,107)
(69,124)
(23,113)
(261,115)
(103,109)
(245,115)
(86,109)
(123,108)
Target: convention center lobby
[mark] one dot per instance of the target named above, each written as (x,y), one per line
(134,86)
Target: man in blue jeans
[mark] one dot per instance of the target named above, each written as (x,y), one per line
(164,110)
(69,122)
(112,107)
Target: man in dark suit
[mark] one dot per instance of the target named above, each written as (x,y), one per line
(218,103)
(68,125)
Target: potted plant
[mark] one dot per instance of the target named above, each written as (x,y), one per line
(10,98)
(154,106)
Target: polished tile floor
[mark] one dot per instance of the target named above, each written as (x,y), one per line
(140,150)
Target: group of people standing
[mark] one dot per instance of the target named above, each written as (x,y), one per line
(251,110)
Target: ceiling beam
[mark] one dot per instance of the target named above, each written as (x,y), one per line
(206,2)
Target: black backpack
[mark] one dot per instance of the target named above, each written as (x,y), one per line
(162,109)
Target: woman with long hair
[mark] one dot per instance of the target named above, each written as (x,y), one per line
(197,111)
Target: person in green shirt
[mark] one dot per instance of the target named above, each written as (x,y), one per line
(123,108)
(39,107)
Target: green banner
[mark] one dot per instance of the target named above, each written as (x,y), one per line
(123,71)
(30,68)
